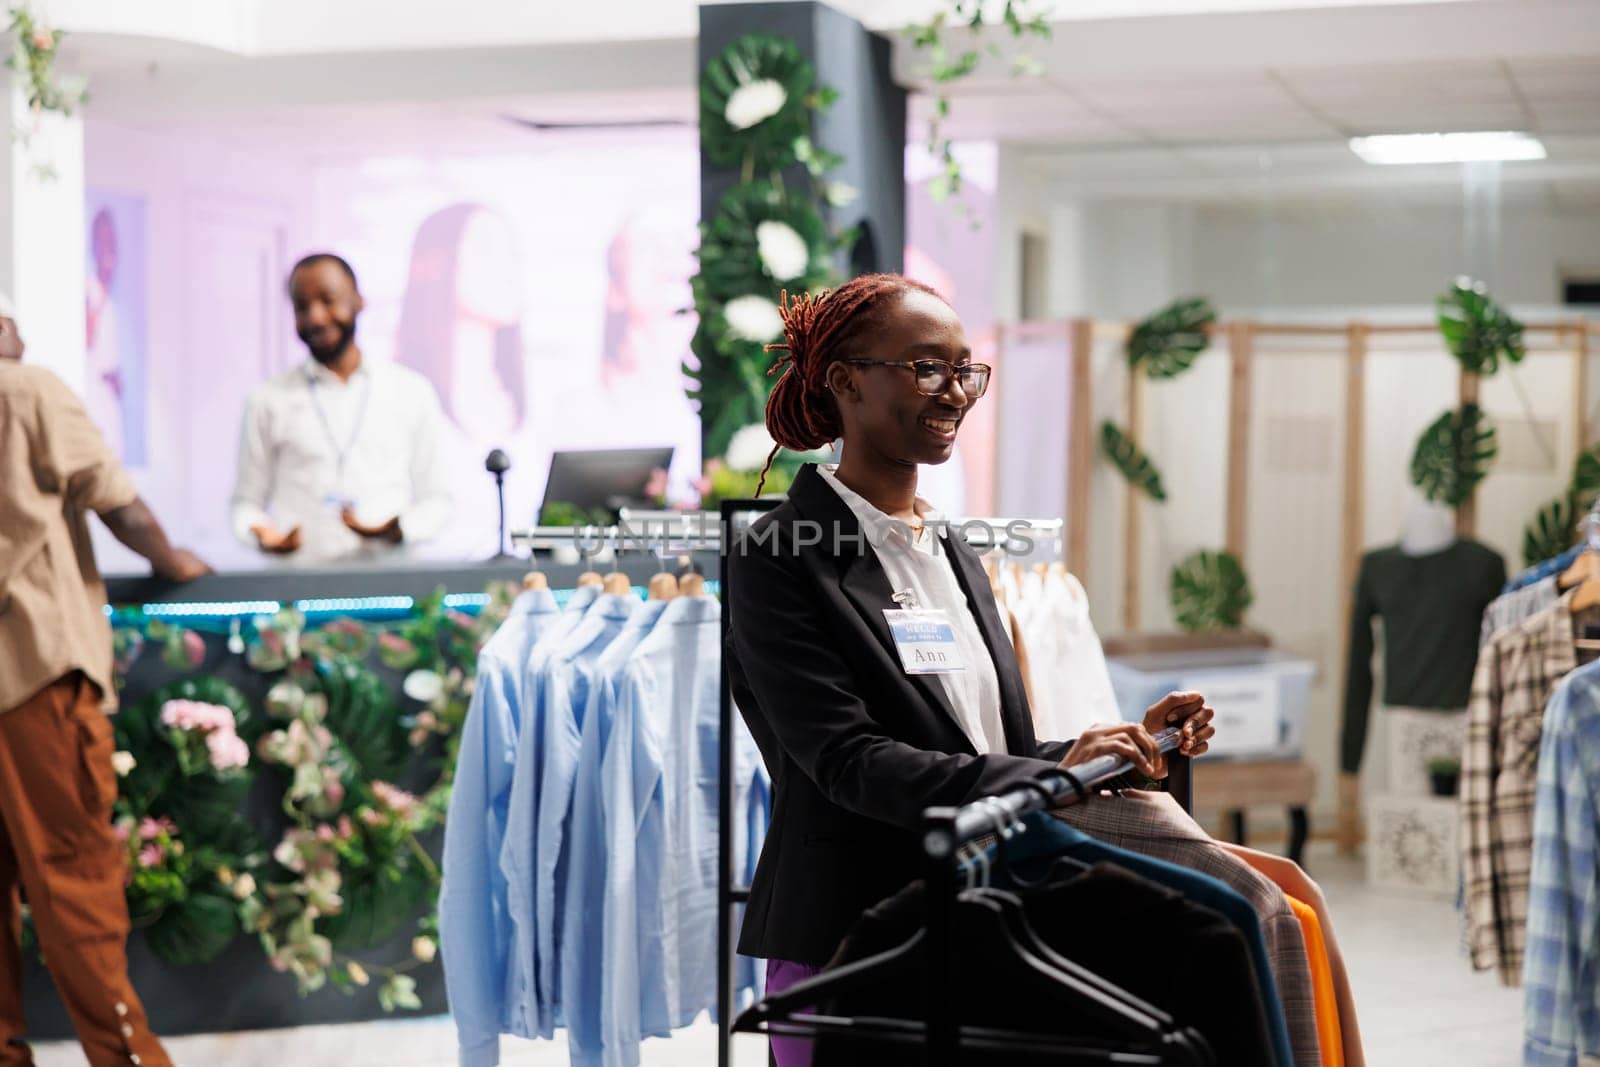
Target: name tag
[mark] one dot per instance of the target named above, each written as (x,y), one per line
(926,641)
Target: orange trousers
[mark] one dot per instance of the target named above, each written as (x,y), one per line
(57,848)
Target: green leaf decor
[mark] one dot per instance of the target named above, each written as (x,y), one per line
(1210,591)
(754,103)
(1478,332)
(1453,455)
(1127,457)
(760,242)
(1550,533)
(1167,343)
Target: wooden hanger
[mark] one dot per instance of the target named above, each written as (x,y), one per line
(1058,568)
(535,580)
(1585,567)
(691,585)
(664,586)
(588,578)
(617,584)
(1586,596)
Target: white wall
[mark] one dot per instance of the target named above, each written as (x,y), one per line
(1124,260)
(203,201)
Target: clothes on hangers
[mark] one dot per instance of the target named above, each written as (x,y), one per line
(1069,686)
(1432,607)
(577,809)
(1517,673)
(474,925)
(1546,569)
(1139,832)
(659,777)
(1322,990)
(581,963)
(1508,609)
(567,678)
(1143,937)
(517,854)
(1561,965)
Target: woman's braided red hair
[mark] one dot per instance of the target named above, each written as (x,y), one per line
(819,330)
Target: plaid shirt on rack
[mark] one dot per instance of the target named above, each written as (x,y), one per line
(1561,971)
(1517,671)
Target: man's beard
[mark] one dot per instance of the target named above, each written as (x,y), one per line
(331,353)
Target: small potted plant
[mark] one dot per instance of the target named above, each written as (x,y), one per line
(1445,773)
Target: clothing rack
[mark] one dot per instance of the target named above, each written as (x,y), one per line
(730,895)
(946,830)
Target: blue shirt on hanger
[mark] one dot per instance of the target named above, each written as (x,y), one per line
(1541,571)
(474,927)
(1561,963)
(567,680)
(578,933)
(516,865)
(660,786)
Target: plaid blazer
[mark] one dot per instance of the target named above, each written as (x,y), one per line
(1517,672)
(1154,825)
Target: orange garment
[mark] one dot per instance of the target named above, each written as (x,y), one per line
(1322,993)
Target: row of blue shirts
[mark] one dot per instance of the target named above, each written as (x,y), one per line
(581,852)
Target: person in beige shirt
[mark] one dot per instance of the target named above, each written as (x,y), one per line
(57,784)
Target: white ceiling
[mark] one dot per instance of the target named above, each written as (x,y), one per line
(1229,103)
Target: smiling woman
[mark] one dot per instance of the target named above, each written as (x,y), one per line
(865,648)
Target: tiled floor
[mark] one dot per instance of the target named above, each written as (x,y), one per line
(1420,1004)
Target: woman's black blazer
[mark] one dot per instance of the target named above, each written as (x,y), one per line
(855,746)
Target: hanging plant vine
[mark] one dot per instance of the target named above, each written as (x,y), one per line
(33,57)
(1210,591)
(757,100)
(1021,19)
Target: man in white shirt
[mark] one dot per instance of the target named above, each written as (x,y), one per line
(343,450)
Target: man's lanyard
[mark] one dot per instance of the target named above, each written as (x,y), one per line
(340,452)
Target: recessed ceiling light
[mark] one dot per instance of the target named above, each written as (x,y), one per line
(1499,145)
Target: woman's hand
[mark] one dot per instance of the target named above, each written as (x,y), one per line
(1128,741)
(1189,709)
(1135,742)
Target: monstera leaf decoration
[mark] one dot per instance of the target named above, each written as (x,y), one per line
(1135,466)
(1453,455)
(1210,592)
(1478,331)
(1168,342)
(754,99)
(1551,531)
(760,241)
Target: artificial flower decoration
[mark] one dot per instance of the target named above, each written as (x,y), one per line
(754,102)
(784,253)
(753,318)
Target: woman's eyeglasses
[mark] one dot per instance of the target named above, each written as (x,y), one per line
(933,375)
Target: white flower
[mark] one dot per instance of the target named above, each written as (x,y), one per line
(423,686)
(424,948)
(783,252)
(749,448)
(244,886)
(754,102)
(753,318)
(123,763)
(840,194)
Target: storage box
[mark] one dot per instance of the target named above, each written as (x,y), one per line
(1261,695)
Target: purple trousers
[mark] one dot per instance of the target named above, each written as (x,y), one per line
(781,974)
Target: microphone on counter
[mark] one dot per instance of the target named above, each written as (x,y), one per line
(497,463)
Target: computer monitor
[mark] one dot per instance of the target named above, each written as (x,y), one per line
(603,479)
